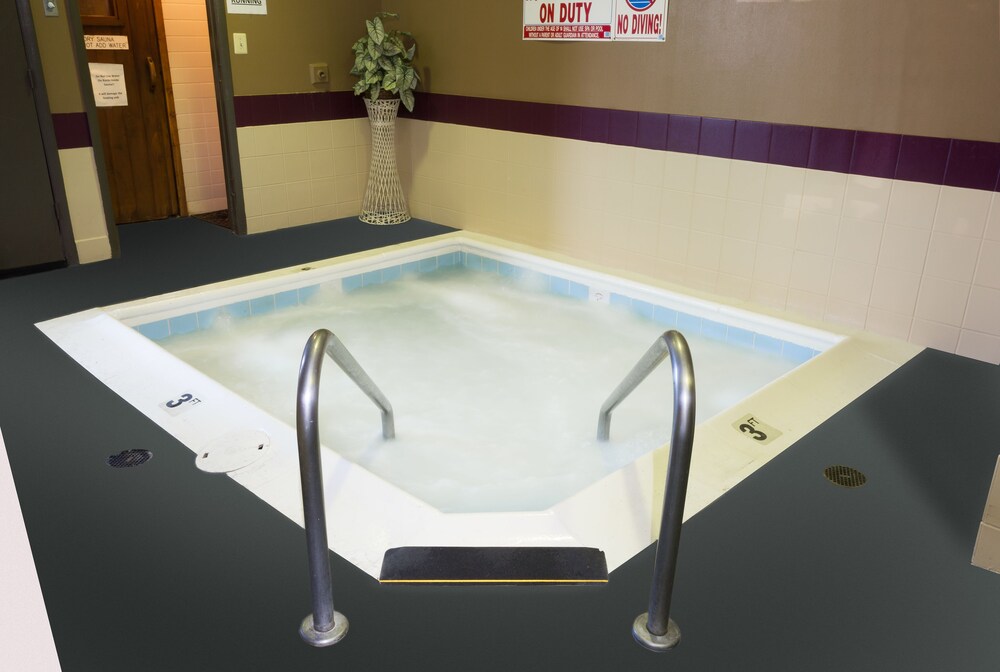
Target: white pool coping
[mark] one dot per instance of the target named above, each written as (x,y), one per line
(365,515)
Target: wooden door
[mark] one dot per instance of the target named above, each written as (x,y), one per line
(138,151)
(29,229)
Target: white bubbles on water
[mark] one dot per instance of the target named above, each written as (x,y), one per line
(495,390)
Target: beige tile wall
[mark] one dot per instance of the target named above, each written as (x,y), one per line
(307,172)
(915,261)
(185,23)
(987,550)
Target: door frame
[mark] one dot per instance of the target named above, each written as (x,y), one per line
(218,37)
(49,145)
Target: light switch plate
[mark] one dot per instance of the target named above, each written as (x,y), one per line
(319,73)
(239,43)
(51,8)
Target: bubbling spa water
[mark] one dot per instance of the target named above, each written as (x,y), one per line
(495,386)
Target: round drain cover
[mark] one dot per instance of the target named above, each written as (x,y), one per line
(847,477)
(130,458)
(233,451)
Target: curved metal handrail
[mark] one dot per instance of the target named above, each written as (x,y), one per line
(324,626)
(654,629)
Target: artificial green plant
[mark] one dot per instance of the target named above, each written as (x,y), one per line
(383,63)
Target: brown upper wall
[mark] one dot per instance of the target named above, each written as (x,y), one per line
(293,34)
(55,47)
(920,67)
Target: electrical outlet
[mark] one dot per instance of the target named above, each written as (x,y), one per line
(319,73)
(239,43)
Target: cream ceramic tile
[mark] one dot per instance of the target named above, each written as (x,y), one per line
(806,303)
(962,212)
(650,165)
(742,219)
(321,192)
(646,202)
(773,265)
(811,273)
(851,281)
(845,312)
(817,233)
(344,161)
(733,286)
(677,207)
(904,248)
(250,171)
(273,199)
(620,162)
(867,197)
(711,176)
(708,214)
(952,257)
(823,191)
(486,143)
(271,169)
(859,240)
(679,171)
(319,135)
(934,335)
(296,166)
(942,300)
(985,347)
(346,188)
(267,140)
(783,186)
(321,163)
(895,291)
(641,236)
(704,251)
(343,132)
(888,323)
(746,181)
(251,201)
(274,221)
(294,138)
(769,294)
(324,213)
(245,141)
(300,217)
(673,243)
(738,257)
(983,314)
(778,226)
(993,220)
(299,196)
(988,268)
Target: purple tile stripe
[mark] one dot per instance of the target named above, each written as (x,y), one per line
(958,163)
(71,130)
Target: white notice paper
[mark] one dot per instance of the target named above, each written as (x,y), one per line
(246,6)
(108,80)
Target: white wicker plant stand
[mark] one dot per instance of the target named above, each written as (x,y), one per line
(384,202)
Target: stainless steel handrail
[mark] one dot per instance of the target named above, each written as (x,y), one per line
(654,629)
(324,626)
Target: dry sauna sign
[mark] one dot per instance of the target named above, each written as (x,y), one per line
(596,20)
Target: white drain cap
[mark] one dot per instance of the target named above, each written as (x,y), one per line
(233,451)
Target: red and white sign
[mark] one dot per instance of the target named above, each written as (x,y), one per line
(568,20)
(641,20)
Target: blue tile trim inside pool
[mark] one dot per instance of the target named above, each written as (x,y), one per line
(553,284)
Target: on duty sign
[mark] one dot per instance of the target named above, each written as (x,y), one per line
(600,20)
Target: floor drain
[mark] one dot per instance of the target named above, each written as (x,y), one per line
(847,477)
(130,458)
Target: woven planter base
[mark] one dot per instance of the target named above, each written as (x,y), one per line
(384,202)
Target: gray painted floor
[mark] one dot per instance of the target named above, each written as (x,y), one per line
(168,568)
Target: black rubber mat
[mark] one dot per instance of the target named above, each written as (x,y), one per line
(494,564)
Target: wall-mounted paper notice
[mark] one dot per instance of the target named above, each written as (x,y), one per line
(246,6)
(105,41)
(108,80)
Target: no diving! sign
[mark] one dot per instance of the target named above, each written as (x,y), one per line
(595,20)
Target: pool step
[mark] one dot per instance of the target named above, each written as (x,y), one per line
(494,565)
